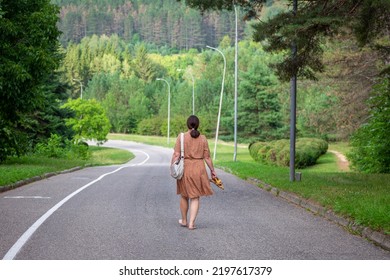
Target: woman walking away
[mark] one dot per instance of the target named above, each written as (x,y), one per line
(195,182)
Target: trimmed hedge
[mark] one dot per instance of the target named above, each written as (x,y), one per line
(307,151)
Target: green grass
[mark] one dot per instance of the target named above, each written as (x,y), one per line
(365,198)
(151,140)
(108,156)
(16,169)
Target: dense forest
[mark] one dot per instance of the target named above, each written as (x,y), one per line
(125,73)
(121,72)
(164,23)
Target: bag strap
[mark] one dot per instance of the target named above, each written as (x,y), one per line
(182,145)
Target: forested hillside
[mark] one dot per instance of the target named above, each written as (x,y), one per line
(164,23)
(123,76)
(134,42)
(117,52)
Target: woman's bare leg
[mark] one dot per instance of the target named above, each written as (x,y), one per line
(194,208)
(183,210)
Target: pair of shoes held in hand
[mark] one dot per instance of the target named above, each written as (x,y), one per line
(217,182)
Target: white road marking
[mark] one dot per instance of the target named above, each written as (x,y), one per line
(147,157)
(26,236)
(33,197)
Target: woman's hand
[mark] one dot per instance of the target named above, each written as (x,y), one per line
(175,157)
(213,174)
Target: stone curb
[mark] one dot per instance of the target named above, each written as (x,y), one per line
(36,178)
(378,238)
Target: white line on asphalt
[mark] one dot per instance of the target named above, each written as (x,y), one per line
(34,197)
(26,236)
(147,157)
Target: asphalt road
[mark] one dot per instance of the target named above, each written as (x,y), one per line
(133,212)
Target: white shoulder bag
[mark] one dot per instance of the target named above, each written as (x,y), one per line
(177,168)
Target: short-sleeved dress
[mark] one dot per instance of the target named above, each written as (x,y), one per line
(195,181)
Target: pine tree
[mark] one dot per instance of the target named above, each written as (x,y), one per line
(259,107)
(368,19)
(143,66)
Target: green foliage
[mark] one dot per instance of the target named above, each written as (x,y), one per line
(29,56)
(80,150)
(89,122)
(120,74)
(151,126)
(263,105)
(314,21)
(8,141)
(28,47)
(259,105)
(308,150)
(143,66)
(56,147)
(315,113)
(178,124)
(371,143)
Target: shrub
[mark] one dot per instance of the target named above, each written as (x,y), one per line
(79,150)
(254,150)
(371,142)
(56,148)
(150,126)
(307,151)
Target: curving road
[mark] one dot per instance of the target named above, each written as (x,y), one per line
(131,212)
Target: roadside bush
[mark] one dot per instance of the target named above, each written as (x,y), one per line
(254,150)
(307,151)
(150,126)
(79,150)
(371,142)
(178,124)
(56,148)
(158,126)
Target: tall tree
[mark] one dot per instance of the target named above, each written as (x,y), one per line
(316,19)
(29,54)
(90,120)
(259,107)
(371,143)
(144,67)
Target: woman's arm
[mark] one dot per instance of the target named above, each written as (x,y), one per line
(206,157)
(209,163)
(176,150)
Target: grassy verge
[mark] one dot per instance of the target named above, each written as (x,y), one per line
(151,140)
(365,198)
(16,169)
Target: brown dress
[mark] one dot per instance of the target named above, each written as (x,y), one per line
(195,181)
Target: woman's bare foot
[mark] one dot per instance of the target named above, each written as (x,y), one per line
(182,223)
(191,226)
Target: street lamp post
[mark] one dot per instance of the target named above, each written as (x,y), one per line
(193,91)
(169,104)
(293,107)
(220,100)
(235,84)
(81,87)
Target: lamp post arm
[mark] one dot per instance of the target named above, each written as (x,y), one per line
(220,100)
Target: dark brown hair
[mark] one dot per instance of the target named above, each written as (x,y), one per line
(193,124)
